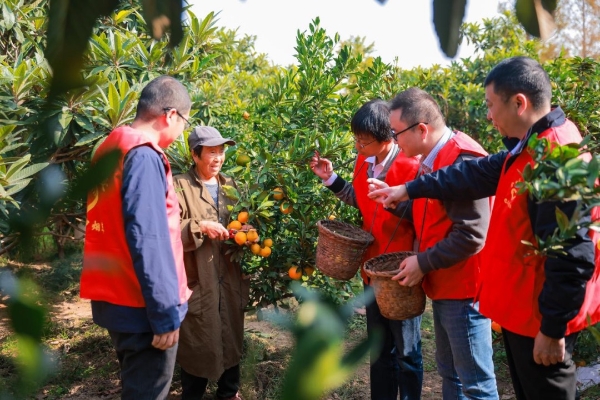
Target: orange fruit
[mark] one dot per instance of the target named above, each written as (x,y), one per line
(268,242)
(237,225)
(278,193)
(255,248)
(243,217)
(308,271)
(252,235)
(286,207)
(496,327)
(265,252)
(246,115)
(295,272)
(240,238)
(331,217)
(242,160)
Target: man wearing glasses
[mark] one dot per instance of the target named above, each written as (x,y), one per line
(450,235)
(133,270)
(541,302)
(398,367)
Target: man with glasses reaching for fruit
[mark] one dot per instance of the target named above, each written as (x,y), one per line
(541,302)
(449,236)
(398,367)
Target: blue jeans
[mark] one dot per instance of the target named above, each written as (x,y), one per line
(399,364)
(463,341)
(146,371)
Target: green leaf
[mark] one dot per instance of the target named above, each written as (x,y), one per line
(122,16)
(8,17)
(28,171)
(89,138)
(562,220)
(17,187)
(17,166)
(448,16)
(231,192)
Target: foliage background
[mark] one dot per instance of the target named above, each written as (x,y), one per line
(279,117)
(290,114)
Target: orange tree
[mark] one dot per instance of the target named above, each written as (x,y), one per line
(279,117)
(307,108)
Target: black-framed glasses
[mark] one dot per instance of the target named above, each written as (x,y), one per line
(395,134)
(362,146)
(187,123)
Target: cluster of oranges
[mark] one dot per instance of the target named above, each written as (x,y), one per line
(296,272)
(285,206)
(246,235)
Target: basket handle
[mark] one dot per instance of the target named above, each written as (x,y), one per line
(397,225)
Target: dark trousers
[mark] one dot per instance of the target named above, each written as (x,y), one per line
(193,387)
(146,371)
(533,381)
(398,366)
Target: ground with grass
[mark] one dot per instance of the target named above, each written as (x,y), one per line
(86,366)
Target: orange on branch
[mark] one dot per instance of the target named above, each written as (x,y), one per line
(278,193)
(295,272)
(243,217)
(286,207)
(237,225)
(308,271)
(265,252)
(240,238)
(496,327)
(255,248)
(252,235)
(268,242)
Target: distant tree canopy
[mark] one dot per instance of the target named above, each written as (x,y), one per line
(577,31)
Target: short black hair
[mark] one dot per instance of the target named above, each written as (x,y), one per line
(162,93)
(521,75)
(417,106)
(198,150)
(373,118)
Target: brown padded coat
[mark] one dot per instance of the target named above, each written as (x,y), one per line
(211,335)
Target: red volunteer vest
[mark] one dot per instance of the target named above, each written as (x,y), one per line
(511,282)
(433,225)
(108,273)
(382,224)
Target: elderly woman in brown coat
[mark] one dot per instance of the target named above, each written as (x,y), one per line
(211,335)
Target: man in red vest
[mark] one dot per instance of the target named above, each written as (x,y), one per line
(133,270)
(449,235)
(398,367)
(540,302)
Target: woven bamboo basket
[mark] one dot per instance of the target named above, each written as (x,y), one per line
(340,248)
(395,302)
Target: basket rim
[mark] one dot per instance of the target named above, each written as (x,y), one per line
(381,274)
(366,239)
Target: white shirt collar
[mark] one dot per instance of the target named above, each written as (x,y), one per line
(377,169)
(428,161)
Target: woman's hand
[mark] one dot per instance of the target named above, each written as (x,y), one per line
(214,230)
(322,167)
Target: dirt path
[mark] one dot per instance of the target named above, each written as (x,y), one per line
(74,317)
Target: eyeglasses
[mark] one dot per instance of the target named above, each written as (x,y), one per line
(362,146)
(395,134)
(187,122)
